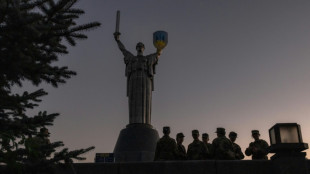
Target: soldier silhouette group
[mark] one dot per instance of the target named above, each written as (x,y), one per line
(221,148)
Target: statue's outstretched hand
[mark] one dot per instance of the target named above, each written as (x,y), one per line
(116,35)
(159,51)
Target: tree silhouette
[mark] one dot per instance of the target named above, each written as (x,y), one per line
(33,35)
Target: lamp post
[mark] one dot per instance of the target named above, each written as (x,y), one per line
(286,138)
(286,142)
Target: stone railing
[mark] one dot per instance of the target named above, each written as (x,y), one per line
(189,167)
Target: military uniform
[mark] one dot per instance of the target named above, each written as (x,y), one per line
(197,149)
(236,148)
(36,146)
(238,153)
(181,152)
(259,148)
(222,146)
(261,152)
(209,155)
(166,148)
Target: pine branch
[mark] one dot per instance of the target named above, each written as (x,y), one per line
(67,156)
(85,27)
(29,6)
(44,9)
(19,103)
(78,35)
(69,5)
(70,40)
(74,11)
(64,5)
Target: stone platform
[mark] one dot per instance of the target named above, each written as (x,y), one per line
(137,142)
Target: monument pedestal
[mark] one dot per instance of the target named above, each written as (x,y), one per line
(290,162)
(137,142)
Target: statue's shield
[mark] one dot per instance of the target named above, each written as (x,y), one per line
(160,39)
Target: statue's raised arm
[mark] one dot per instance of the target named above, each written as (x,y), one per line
(121,46)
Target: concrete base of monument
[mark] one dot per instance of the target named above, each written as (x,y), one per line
(137,142)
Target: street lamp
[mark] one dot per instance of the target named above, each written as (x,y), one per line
(286,142)
(286,139)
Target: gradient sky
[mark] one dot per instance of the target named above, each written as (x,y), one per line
(241,65)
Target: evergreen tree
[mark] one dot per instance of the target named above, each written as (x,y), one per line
(33,34)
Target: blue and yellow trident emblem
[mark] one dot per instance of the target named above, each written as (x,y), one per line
(160,39)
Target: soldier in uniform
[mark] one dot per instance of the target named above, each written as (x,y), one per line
(238,153)
(166,148)
(181,152)
(43,136)
(222,146)
(196,150)
(205,140)
(37,146)
(259,148)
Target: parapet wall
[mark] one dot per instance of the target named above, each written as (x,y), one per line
(187,167)
(174,167)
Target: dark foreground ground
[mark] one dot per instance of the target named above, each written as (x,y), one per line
(188,167)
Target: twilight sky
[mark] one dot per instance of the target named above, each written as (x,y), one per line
(241,65)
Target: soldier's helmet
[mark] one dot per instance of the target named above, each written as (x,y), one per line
(220,130)
(140,44)
(205,135)
(195,132)
(166,129)
(233,134)
(43,129)
(44,132)
(180,135)
(255,132)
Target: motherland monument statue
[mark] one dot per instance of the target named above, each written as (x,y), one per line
(137,142)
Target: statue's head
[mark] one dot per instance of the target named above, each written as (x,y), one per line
(140,48)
